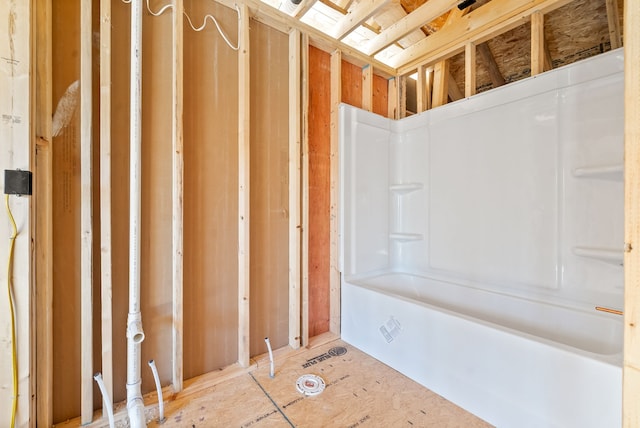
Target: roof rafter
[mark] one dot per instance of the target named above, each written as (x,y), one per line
(486,22)
(358,14)
(416,19)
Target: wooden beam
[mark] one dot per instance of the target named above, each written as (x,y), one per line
(106,301)
(392,99)
(367,88)
(489,61)
(613,19)
(86,217)
(402,97)
(631,367)
(43,197)
(453,90)
(359,13)
(422,93)
(294,188)
(281,21)
(304,7)
(537,43)
(177,226)
(469,69)
(484,23)
(426,13)
(440,83)
(244,164)
(304,91)
(334,273)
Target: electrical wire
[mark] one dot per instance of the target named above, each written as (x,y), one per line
(14,351)
(204,22)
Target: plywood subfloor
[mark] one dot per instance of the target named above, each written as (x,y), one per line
(360,391)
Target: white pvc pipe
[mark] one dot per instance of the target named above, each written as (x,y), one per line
(156,377)
(272,372)
(108,405)
(135,334)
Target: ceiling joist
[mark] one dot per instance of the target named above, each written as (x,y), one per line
(416,19)
(357,15)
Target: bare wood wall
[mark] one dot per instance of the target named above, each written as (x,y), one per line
(269,188)
(211,170)
(211,203)
(319,176)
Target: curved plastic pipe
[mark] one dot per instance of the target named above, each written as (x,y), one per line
(156,377)
(272,372)
(105,398)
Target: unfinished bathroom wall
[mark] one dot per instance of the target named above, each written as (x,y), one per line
(269,278)
(351,78)
(211,186)
(319,176)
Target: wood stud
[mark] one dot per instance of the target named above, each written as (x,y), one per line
(631,365)
(295,135)
(334,273)
(244,165)
(469,69)
(44,213)
(177,237)
(86,217)
(367,88)
(105,198)
(537,43)
(304,64)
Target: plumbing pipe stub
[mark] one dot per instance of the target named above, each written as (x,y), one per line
(310,385)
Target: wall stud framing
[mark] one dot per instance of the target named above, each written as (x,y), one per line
(367,88)
(470,69)
(631,367)
(177,194)
(392,98)
(244,150)
(44,213)
(422,94)
(613,18)
(86,218)
(294,188)
(334,273)
(304,92)
(440,83)
(106,321)
(537,43)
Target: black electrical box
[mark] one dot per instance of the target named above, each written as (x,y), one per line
(17,182)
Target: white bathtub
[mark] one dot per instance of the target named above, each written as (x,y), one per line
(513,362)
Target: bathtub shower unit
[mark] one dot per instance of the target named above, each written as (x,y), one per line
(477,239)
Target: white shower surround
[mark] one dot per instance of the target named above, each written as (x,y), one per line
(481,235)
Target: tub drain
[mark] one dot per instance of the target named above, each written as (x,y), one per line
(310,384)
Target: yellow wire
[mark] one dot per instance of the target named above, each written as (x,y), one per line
(13,237)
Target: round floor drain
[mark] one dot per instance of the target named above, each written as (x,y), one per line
(310,384)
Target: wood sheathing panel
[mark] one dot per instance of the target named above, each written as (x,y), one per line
(573,32)
(319,176)
(155,246)
(380,95)
(269,277)
(351,84)
(120,14)
(210,193)
(66,210)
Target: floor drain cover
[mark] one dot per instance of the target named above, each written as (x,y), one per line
(310,384)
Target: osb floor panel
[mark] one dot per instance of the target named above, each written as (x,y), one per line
(360,391)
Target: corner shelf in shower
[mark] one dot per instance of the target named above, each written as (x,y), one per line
(406,237)
(603,172)
(610,255)
(405,187)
